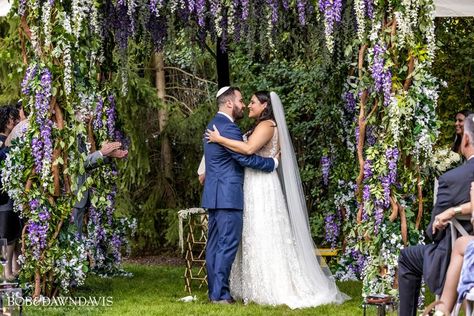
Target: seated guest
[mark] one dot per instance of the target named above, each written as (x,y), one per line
(462,256)
(459,129)
(10,224)
(463,249)
(431,260)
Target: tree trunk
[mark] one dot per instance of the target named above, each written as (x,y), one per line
(166,159)
(222,61)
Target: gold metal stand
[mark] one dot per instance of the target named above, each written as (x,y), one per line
(196,227)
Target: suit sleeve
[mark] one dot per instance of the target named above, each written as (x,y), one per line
(443,202)
(251,161)
(94,160)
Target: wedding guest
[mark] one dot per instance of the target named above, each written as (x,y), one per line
(93,160)
(431,261)
(10,224)
(19,128)
(462,256)
(459,128)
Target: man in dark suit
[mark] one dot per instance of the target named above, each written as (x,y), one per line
(431,260)
(223,194)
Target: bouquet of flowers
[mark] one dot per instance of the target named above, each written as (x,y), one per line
(444,160)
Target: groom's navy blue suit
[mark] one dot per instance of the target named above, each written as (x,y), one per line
(223,197)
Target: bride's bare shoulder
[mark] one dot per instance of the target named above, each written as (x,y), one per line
(267,123)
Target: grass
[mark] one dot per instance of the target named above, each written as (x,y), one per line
(154,290)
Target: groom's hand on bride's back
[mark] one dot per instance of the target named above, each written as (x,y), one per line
(278,156)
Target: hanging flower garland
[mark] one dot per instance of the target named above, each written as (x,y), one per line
(396,93)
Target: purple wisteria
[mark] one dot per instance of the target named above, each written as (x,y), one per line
(154,7)
(350,102)
(378,217)
(368,172)
(200,11)
(388,180)
(370,136)
(110,207)
(96,235)
(381,76)
(38,228)
(111,117)
(333,229)
(116,244)
(245,9)
(392,154)
(98,114)
(301,6)
(325,167)
(273,4)
(42,146)
(358,263)
(369,7)
(27,80)
(332,10)
(21,7)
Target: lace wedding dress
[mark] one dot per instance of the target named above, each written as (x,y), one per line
(267,269)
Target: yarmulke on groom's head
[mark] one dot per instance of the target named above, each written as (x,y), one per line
(222,90)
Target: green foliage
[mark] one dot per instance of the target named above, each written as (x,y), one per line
(154,290)
(11,66)
(145,192)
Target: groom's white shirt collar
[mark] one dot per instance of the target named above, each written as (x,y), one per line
(226,115)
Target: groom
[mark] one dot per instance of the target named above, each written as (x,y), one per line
(223,194)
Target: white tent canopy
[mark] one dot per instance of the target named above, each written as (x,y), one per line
(5,7)
(444,8)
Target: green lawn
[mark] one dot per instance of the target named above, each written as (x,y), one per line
(154,290)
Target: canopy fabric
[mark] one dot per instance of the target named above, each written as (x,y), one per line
(446,8)
(5,6)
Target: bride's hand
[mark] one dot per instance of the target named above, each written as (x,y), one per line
(213,136)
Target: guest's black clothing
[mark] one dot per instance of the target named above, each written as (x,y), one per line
(431,260)
(10,223)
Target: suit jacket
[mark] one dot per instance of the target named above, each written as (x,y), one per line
(453,190)
(223,187)
(92,161)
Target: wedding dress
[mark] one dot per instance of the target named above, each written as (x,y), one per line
(275,265)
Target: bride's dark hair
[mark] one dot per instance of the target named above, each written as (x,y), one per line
(267,113)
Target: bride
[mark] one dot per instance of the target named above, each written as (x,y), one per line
(276,262)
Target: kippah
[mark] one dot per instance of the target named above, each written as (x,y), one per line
(222,90)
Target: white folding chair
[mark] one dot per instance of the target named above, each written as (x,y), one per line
(458,230)
(456,227)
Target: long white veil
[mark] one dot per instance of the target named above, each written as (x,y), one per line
(293,190)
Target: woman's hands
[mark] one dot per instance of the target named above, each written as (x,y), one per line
(213,136)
